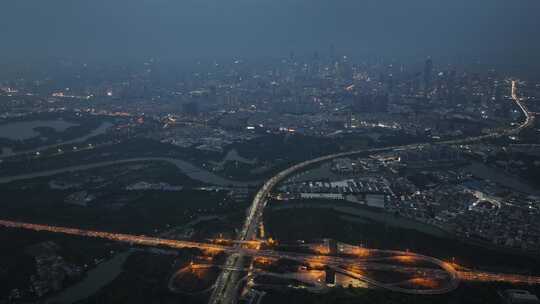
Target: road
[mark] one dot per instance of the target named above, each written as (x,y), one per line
(225,292)
(368,260)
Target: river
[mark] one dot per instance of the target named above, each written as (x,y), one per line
(8,151)
(233,155)
(499,176)
(23,130)
(360,213)
(187,168)
(94,280)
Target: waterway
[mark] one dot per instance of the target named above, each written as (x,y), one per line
(361,214)
(8,151)
(187,168)
(499,176)
(233,155)
(27,129)
(94,280)
(321,172)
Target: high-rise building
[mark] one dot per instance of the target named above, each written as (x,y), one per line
(451,83)
(428,71)
(315,64)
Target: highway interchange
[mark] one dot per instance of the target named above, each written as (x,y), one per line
(345,262)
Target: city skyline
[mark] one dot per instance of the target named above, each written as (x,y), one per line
(491,32)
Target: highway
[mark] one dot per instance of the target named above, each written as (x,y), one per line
(225,291)
(354,266)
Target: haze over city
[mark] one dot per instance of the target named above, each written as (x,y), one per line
(180,31)
(268,152)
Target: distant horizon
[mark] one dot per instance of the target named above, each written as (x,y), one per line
(35,67)
(495,32)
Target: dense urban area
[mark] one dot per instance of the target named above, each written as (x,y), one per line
(301,179)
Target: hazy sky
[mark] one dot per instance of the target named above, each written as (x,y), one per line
(116,30)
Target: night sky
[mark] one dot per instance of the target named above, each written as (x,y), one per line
(498,31)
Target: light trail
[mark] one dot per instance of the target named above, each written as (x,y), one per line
(476,276)
(117,237)
(352,266)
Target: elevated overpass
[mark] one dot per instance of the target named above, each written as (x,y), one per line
(353,266)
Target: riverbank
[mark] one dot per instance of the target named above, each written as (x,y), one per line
(185,167)
(101,129)
(368,216)
(95,279)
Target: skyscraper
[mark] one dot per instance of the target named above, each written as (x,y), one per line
(428,71)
